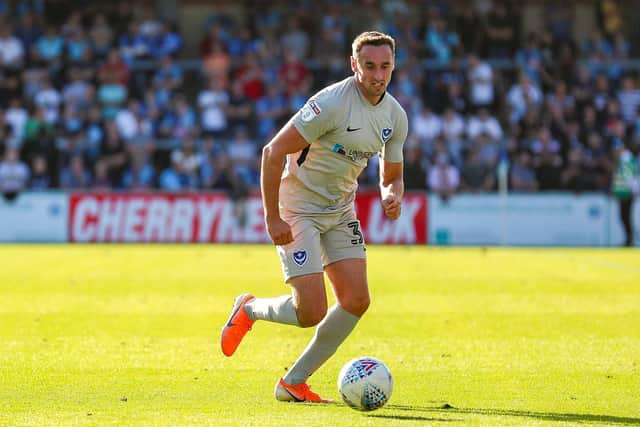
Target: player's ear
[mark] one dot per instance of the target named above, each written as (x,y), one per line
(354,64)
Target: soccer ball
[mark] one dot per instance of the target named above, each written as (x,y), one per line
(365,383)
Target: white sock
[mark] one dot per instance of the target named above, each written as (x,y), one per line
(330,333)
(279,310)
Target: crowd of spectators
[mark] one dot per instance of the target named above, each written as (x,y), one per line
(80,110)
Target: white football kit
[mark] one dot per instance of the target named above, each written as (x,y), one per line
(319,183)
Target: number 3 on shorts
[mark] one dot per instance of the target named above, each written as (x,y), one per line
(355,229)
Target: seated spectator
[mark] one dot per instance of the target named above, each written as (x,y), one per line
(101,35)
(11,50)
(16,117)
(440,42)
(132,44)
(294,74)
(243,154)
(40,179)
(75,176)
(112,95)
(78,47)
(239,110)
(548,169)
(168,42)
(49,47)
(251,76)
(49,99)
(114,70)
(523,96)
(443,178)
(113,159)
(476,175)
(212,103)
(414,167)
(453,129)
(78,91)
(484,123)
(271,112)
(426,127)
(216,64)
(529,58)
(14,174)
(575,176)
(168,76)
(186,162)
(480,77)
(501,33)
(629,98)
(140,173)
(522,176)
(27,31)
(295,38)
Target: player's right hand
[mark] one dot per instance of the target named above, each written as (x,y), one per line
(279,231)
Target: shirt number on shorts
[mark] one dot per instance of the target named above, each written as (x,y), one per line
(355,229)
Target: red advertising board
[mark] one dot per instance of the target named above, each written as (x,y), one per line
(410,228)
(212,217)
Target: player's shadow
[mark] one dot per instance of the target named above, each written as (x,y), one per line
(544,416)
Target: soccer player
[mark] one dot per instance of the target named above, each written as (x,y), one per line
(309,208)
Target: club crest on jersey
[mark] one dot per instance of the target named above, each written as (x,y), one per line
(310,111)
(386,134)
(300,257)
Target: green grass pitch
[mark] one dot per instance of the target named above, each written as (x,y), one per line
(128,335)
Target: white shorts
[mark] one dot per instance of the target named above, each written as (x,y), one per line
(319,240)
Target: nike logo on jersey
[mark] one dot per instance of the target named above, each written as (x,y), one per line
(350,129)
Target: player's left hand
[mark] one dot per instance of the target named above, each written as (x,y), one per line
(392,207)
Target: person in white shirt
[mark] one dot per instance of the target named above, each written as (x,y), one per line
(443,178)
(212,103)
(14,174)
(521,97)
(480,77)
(11,50)
(16,116)
(426,125)
(483,123)
(50,99)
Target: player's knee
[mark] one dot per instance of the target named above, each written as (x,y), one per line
(357,305)
(311,317)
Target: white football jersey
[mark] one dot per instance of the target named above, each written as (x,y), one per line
(343,131)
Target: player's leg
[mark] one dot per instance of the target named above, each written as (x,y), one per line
(310,298)
(348,278)
(345,265)
(301,263)
(302,268)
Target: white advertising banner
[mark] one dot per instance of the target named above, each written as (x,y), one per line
(34,217)
(519,220)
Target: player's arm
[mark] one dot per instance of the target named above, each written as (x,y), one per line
(391,188)
(287,141)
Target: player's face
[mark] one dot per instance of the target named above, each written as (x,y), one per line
(372,69)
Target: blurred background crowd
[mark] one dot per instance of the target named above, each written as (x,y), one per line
(110,95)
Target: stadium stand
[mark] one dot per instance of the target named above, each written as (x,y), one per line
(110,96)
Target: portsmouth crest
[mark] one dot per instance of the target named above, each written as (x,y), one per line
(386,134)
(300,257)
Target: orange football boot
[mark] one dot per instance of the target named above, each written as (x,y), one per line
(237,326)
(297,393)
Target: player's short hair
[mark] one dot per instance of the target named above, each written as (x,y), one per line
(373,38)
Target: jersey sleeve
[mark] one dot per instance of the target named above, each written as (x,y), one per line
(392,150)
(316,117)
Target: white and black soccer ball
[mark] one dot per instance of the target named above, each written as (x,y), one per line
(365,383)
